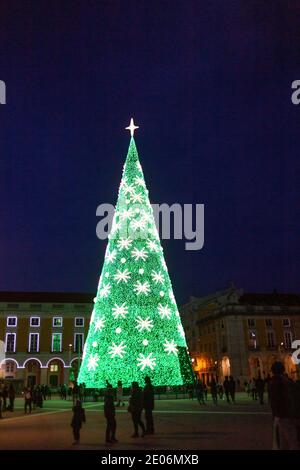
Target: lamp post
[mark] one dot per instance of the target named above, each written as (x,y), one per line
(70,368)
(70,353)
(80,347)
(280,351)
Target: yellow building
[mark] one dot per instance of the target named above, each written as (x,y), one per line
(42,336)
(241,334)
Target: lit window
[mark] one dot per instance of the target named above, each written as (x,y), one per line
(34,321)
(252,340)
(57,321)
(288,339)
(12,321)
(33,345)
(78,342)
(10,367)
(53,368)
(79,321)
(10,343)
(56,342)
(271,339)
(286,322)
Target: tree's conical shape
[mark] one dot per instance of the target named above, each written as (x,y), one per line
(135,327)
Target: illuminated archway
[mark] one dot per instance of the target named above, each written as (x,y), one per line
(55,372)
(225,366)
(8,368)
(32,367)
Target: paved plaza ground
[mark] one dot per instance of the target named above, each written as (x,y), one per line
(180,424)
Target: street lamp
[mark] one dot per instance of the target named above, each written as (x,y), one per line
(70,353)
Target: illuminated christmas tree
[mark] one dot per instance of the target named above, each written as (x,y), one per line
(135,328)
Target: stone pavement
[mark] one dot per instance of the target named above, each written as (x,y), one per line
(180,424)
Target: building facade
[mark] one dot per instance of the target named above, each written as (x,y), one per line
(42,336)
(241,334)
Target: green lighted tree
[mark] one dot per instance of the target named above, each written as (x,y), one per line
(135,327)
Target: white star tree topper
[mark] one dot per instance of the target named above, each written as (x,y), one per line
(132,127)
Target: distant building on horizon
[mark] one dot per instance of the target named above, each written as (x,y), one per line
(43,335)
(236,333)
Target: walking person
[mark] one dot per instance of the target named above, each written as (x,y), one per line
(226,387)
(148,404)
(77,420)
(200,392)
(232,388)
(44,391)
(214,391)
(282,400)
(11,396)
(75,392)
(27,400)
(5,396)
(120,400)
(39,397)
(110,415)
(260,387)
(220,390)
(205,391)
(191,392)
(0,403)
(135,408)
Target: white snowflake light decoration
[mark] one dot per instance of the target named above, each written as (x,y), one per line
(122,276)
(139,181)
(170,347)
(124,243)
(105,290)
(144,324)
(152,246)
(139,254)
(117,350)
(137,197)
(128,188)
(146,361)
(126,214)
(142,287)
(180,330)
(120,310)
(111,256)
(164,311)
(157,277)
(138,224)
(93,362)
(99,324)
(172,297)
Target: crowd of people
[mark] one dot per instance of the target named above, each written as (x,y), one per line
(283,396)
(139,400)
(218,390)
(7,398)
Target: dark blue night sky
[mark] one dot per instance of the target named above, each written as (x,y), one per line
(209,83)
